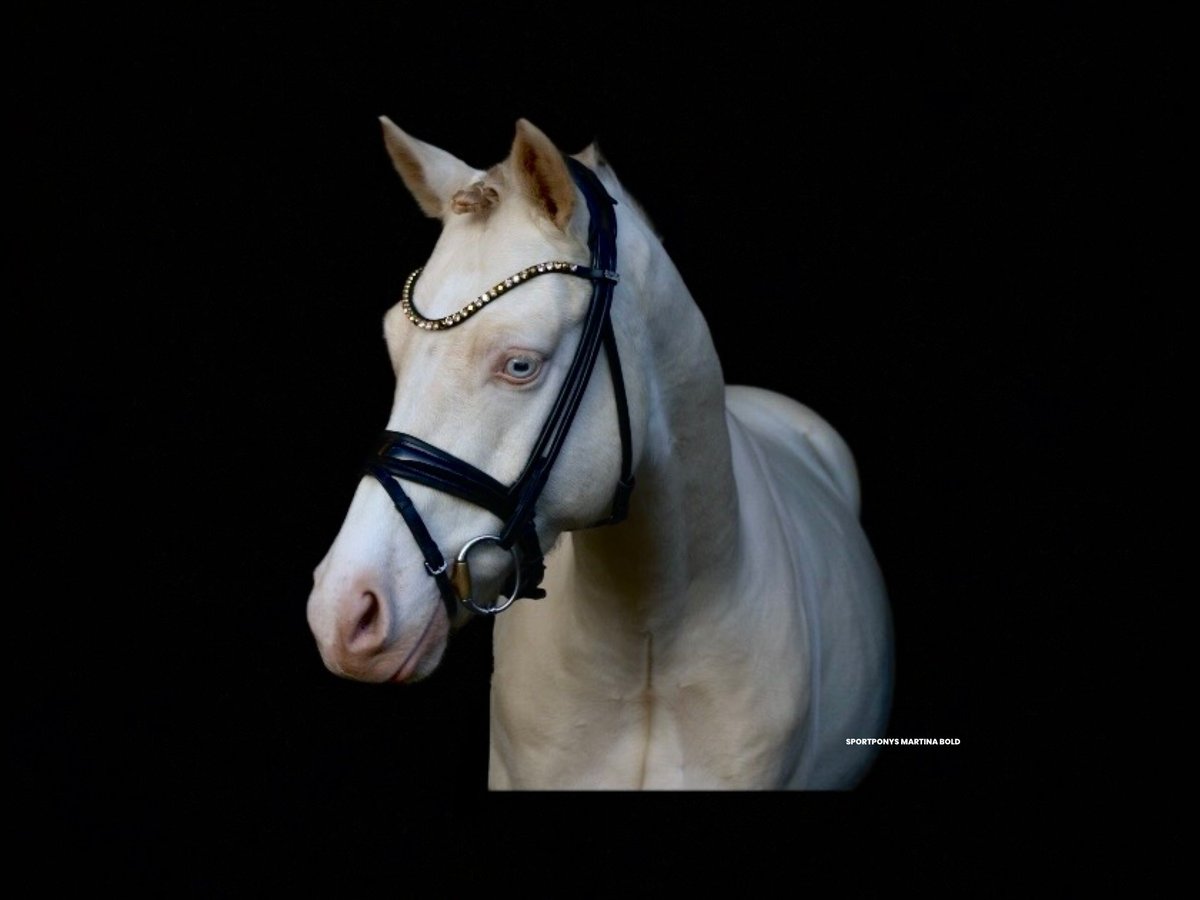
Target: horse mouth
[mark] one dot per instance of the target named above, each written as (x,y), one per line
(417,654)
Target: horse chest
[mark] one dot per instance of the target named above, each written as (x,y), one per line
(695,723)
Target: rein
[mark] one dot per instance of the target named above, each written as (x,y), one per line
(403,457)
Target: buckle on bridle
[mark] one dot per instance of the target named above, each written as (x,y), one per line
(596,274)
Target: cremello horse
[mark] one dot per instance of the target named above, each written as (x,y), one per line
(732,632)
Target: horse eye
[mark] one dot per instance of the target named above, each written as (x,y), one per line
(521,368)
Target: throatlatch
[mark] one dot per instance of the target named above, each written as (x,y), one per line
(408,458)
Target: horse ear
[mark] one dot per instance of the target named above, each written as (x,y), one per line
(431,175)
(542,172)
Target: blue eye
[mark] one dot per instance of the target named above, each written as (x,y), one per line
(521,367)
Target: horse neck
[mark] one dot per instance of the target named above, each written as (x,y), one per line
(682,524)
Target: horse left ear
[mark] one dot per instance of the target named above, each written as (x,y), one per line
(542,172)
(433,176)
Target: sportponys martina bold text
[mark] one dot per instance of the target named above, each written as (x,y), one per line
(953,742)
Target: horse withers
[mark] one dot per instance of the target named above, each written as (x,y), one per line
(713,616)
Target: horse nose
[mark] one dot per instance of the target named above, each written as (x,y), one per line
(362,629)
(351,628)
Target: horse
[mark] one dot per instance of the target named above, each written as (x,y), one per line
(684,597)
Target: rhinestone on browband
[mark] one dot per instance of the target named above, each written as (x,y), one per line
(483,299)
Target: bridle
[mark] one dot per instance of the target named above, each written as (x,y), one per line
(404,457)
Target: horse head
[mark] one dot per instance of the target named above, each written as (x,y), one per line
(480,378)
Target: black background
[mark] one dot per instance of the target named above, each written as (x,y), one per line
(908,223)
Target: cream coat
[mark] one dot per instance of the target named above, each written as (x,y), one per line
(732,633)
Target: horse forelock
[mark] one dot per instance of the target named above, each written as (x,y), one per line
(477,197)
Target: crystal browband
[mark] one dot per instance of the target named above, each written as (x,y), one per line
(502,287)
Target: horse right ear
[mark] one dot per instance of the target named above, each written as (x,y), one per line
(431,175)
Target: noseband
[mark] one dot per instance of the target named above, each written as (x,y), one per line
(407,458)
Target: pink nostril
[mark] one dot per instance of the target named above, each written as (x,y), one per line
(369,628)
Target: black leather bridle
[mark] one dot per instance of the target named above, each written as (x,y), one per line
(404,457)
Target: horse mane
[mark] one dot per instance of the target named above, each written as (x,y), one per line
(593,157)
